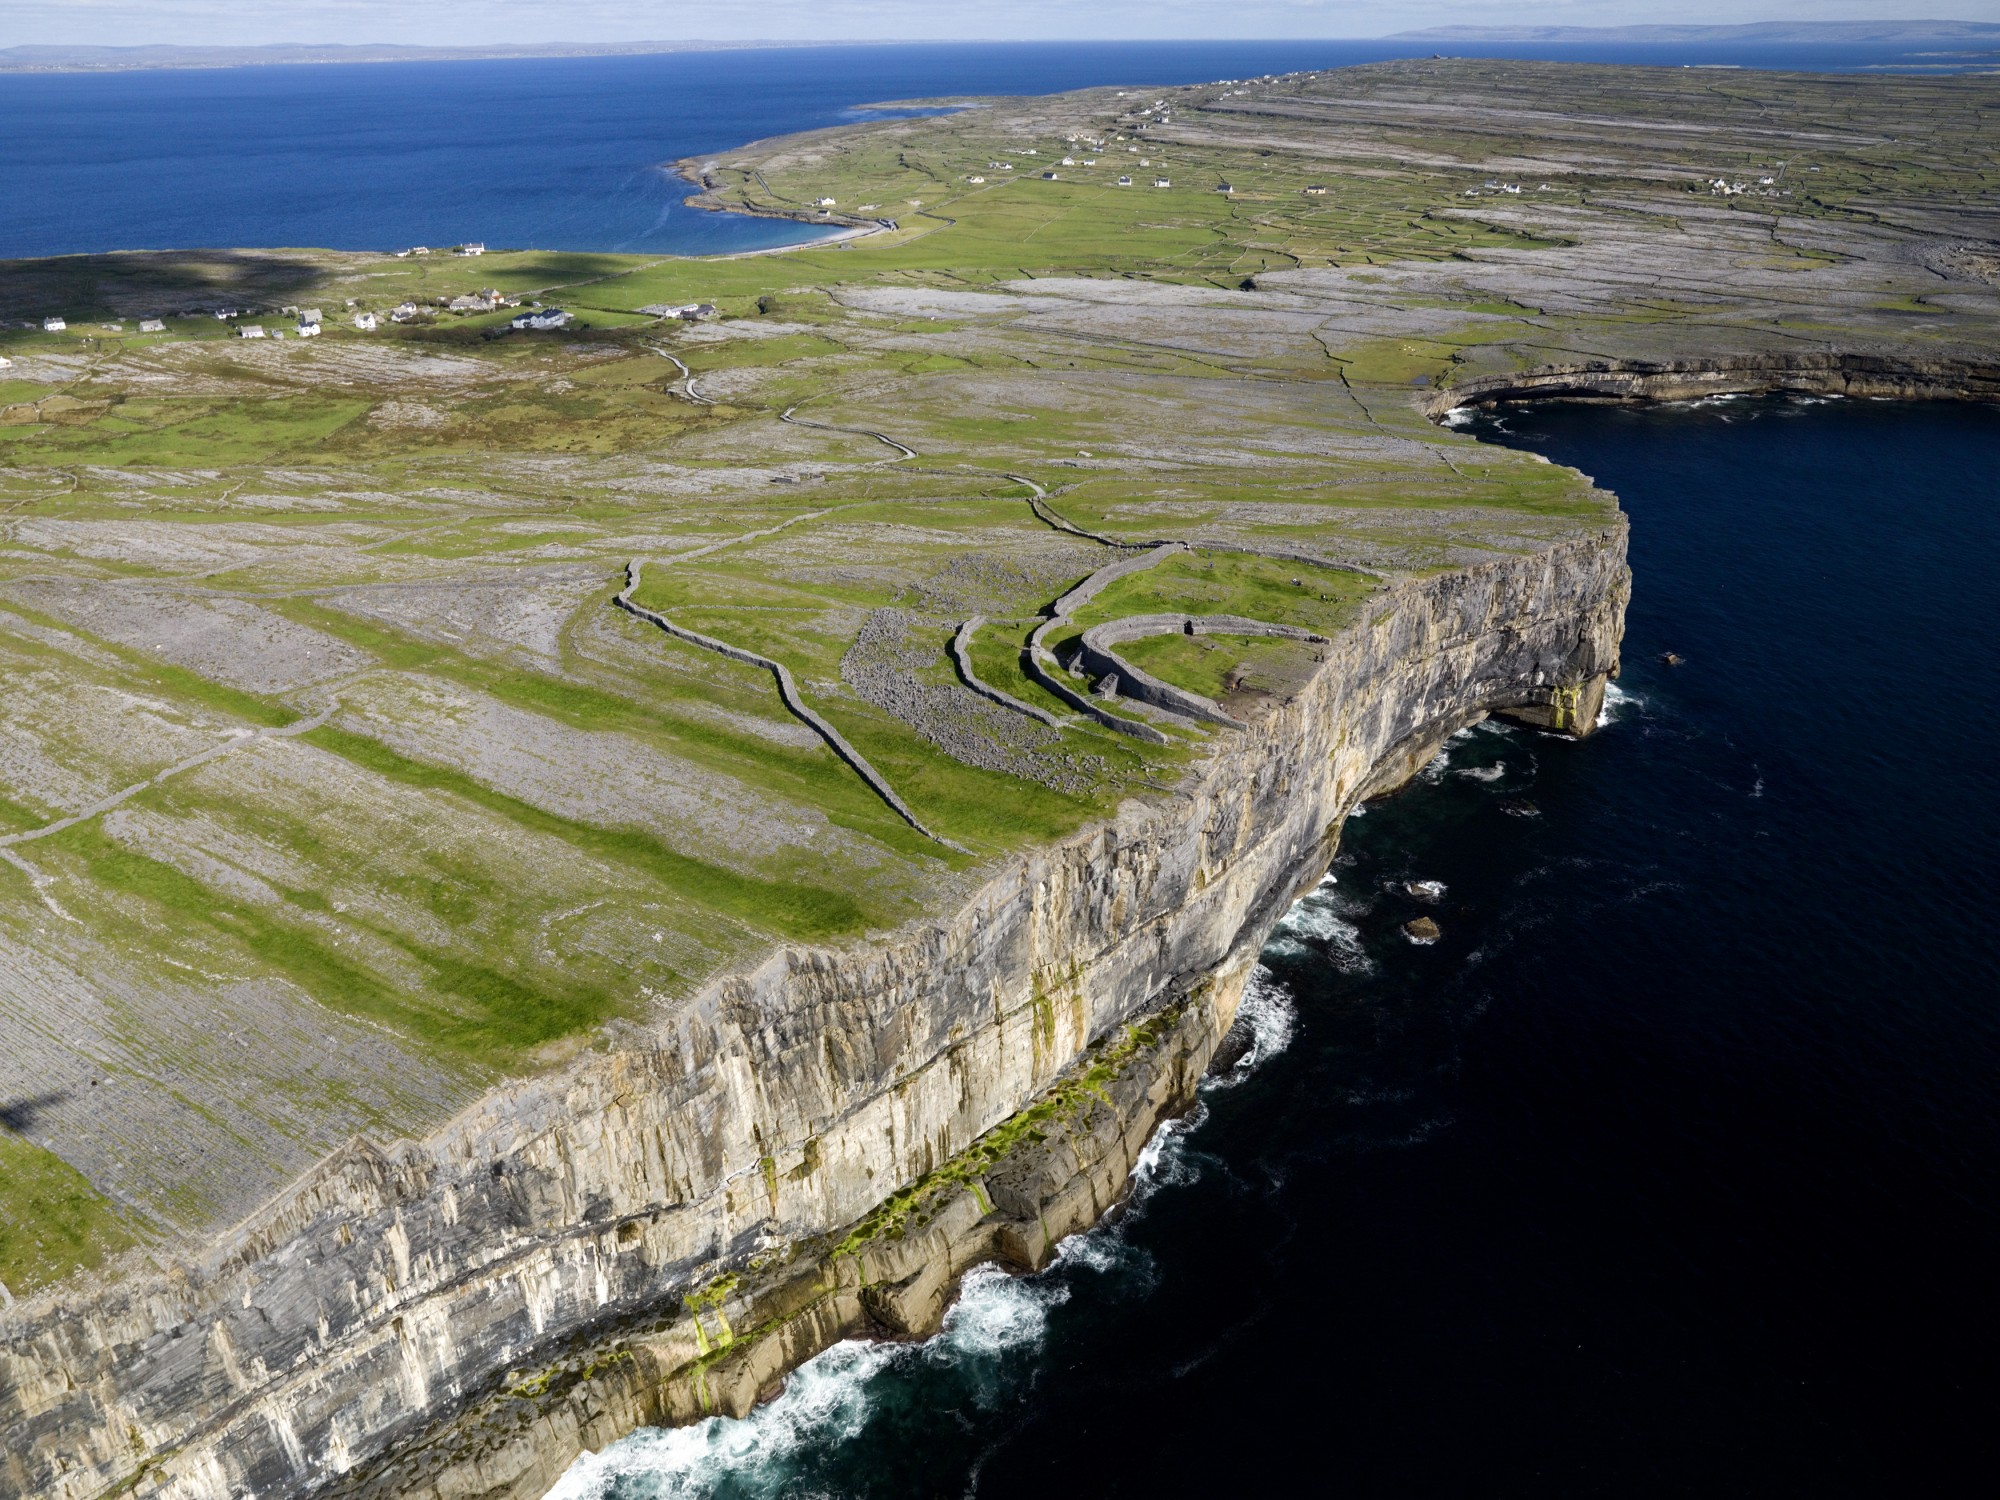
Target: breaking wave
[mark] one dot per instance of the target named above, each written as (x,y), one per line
(785,1446)
(1319,924)
(1616,701)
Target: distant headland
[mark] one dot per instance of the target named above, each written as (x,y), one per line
(57,59)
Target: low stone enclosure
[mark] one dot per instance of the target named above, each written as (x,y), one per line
(1096,655)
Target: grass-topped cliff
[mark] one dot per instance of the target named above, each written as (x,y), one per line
(333,786)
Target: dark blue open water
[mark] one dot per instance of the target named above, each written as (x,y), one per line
(1672,1169)
(550,153)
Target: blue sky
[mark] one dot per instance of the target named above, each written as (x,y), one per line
(456,22)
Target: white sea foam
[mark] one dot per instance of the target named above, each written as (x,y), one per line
(995,1314)
(1616,701)
(825,1401)
(1163,1160)
(1316,924)
(1485,773)
(1268,1009)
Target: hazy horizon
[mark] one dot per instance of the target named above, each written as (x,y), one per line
(473,23)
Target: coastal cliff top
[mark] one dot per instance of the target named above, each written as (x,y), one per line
(334,788)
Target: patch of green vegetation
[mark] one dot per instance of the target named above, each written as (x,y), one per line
(788,908)
(1218,665)
(52,1221)
(471,1010)
(1210,582)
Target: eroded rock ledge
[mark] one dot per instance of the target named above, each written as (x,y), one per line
(1877,375)
(815,1148)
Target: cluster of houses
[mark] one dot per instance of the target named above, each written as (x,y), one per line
(310,322)
(61,325)
(470,247)
(1764,187)
(687,312)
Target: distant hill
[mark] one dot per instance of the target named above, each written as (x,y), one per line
(49,59)
(1777,33)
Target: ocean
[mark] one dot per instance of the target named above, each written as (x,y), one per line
(549,153)
(1672,1168)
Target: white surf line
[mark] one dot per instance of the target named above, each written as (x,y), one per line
(105,804)
(788,690)
(961,654)
(881,437)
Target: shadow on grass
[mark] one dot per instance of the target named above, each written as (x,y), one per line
(162,283)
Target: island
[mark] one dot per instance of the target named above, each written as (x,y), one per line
(552,866)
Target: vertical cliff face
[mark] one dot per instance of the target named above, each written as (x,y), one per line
(685,1212)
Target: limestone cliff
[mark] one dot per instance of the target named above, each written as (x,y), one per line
(811,1148)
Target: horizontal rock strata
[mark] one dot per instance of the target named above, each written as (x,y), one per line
(1885,376)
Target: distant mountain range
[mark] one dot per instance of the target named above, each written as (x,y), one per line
(1776,33)
(124,59)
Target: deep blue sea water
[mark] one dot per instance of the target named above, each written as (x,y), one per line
(543,153)
(1672,1169)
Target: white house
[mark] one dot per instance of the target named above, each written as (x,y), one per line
(975,178)
(687,312)
(308,330)
(365,322)
(1316,190)
(824,203)
(309,315)
(6,363)
(473,247)
(1067,161)
(404,312)
(250,331)
(1050,176)
(1124,182)
(540,318)
(54,325)
(152,325)
(1162,182)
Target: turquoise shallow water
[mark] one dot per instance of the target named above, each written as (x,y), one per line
(1672,1169)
